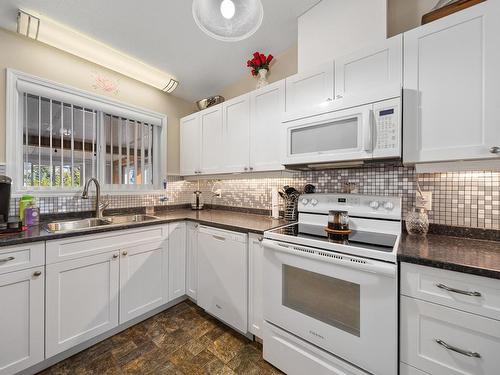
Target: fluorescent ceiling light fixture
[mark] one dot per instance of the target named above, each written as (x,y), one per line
(228,20)
(62,37)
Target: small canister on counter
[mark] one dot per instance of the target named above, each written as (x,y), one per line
(31,215)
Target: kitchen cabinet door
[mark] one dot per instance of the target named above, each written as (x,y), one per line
(143,278)
(267,106)
(451,80)
(222,277)
(212,156)
(310,89)
(192,260)
(176,260)
(371,74)
(22,320)
(81,300)
(236,120)
(255,285)
(190,144)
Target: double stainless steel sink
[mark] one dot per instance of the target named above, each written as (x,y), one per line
(82,224)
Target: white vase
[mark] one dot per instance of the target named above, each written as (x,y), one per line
(262,79)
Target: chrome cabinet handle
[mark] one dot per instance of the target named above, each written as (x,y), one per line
(5,260)
(115,256)
(458,350)
(260,238)
(339,96)
(495,150)
(125,253)
(453,290)
(37,273)
(220,238)
(330,99)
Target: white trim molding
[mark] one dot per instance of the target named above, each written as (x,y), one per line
(18,83)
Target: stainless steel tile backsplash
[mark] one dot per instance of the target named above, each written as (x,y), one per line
(468,199)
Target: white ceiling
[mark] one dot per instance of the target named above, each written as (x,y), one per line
(163,33)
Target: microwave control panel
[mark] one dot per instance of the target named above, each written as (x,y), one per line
(387,123)
(387,128)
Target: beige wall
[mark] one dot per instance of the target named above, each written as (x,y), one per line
(285,65)
(404,15)
(35,58)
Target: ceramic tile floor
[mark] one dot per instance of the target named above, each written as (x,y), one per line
(183,340)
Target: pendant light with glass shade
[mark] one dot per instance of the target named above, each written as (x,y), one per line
(228,20)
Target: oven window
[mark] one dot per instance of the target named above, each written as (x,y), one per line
(332,136)
(330,300)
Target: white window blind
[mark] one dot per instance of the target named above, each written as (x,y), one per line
(129,151)
(59,143)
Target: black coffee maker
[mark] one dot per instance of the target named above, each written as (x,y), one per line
(5,185)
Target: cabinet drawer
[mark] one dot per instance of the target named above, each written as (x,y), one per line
(92,244)
(20,257)
(445,341)
(297,357)
(404,369)
(482,295)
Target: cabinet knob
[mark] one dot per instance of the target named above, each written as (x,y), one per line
(329,99)
(125,253)
(495,150)
(261,238)
(245,169)
(251,168)
(37,273)
(115,256)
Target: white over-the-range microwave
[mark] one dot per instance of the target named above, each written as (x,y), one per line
(343,137)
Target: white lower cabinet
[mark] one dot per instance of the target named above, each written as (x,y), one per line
(192,260)
(81,300)
(143,279)
(441,340)
(222,275)
(255,285)
(21,319)
(176,260)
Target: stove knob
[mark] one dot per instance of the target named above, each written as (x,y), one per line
(388,206)
(374,204)
(305,201)
(314,202)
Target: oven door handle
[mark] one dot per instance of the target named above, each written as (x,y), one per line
(361,264)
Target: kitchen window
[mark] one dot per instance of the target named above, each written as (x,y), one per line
(58,137)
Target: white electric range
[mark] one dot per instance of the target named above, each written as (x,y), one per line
(331,306)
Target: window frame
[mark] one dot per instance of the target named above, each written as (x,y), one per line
(14,136)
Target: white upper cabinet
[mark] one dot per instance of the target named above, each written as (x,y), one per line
(371,74)
(451,81)
(310,89)
(211,133)
(190,145)
(236,122)
(267,106)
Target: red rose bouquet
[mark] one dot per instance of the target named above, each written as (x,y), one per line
(259,61)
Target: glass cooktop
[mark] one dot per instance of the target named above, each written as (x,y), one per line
(370,240)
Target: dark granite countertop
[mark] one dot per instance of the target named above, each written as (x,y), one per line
(473,256)
(230,220)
